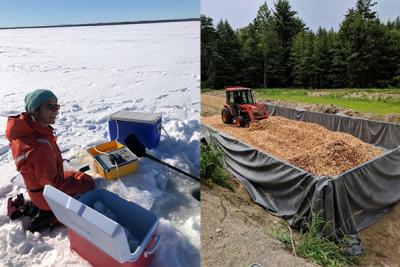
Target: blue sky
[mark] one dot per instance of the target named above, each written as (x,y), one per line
(315,13)
(52,12)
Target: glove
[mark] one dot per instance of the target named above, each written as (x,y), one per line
(19,202)
(15,208)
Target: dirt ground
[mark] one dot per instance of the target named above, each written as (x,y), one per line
(234,232)
(234,229)
(211,105)
(381,241)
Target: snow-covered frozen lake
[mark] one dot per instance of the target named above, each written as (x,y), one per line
(96,71)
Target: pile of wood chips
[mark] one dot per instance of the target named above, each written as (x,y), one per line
(308,146)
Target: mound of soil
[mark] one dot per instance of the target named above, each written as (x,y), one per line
(309,146)
(211,105)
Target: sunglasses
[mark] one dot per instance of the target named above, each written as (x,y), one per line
(53,107)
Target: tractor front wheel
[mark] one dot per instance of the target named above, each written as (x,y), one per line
(246,119)
(226,116)
(240,121)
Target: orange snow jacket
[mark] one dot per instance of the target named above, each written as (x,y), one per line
(38,159)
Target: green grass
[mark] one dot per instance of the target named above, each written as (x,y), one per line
(319,249)
(211,166)
(278,232)
(313,245)
(377,101)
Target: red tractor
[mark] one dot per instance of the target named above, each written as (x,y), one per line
(240,107)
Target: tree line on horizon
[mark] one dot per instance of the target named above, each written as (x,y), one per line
(277,50)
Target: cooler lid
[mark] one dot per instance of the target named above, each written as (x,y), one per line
(141,117)
(106,234)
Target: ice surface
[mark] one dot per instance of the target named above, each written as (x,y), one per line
(96,71)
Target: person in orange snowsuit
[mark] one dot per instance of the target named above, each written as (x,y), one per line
(36,153)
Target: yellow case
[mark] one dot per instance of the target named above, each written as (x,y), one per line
(123,170)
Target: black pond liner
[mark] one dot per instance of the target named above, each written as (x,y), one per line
(348,202)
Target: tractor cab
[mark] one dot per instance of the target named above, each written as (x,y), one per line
(241,107)
(240,96)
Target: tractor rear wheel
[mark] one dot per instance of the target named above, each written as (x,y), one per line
(240,121)
(226,116)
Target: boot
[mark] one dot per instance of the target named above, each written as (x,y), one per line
(42,220)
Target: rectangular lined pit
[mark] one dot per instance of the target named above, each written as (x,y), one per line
(308,146)
(348,202)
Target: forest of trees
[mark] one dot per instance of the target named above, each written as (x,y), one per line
(278,50)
